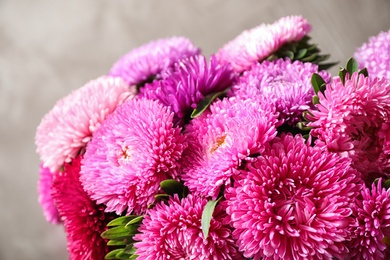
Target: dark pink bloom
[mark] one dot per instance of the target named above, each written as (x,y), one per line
(375,55)
(45,198)
(84,221)
(68,127)
(145,62)
(135,149)
(256,44)
(191,79)
(352,119)
(293,202)
(174,231)
(373,224)
(220,140)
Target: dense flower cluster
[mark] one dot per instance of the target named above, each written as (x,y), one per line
(255,153)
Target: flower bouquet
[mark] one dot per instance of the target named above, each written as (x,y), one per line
(254,153)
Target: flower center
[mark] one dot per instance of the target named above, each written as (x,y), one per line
(218,143)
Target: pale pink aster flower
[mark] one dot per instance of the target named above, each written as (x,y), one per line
(45,198)
(256,44)
(135,149)
(293,202)
(142,64)
(219,141)
(373,218)
(68,127)
(174,231)
(282,83)
(352,119)
(375,55)
(84,221)
(187,84)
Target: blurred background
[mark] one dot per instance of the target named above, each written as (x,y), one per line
(49,47)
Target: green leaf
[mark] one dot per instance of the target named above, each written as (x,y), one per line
(207,214)
(352,66)
(302,126)
(315,100)
(310,58)
(112,254)
(342,74)
(301,53)
(171,186)
(317,82)
(205,103)
(386,184)
(364,72)
(136,220)
(133,257)
(289,54)
(130,249)
(121,220)
(120,242)
(120,232)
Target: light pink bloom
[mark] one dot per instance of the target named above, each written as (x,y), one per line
(45,198)
(174,231)
(256,44)
(84,221)
(375,55)
(68,127)
(293,202)
(135,149)
(282,83)
(144,63)
(353,120)
(221,140)
(373,218)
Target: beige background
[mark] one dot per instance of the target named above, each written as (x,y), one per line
(48,48)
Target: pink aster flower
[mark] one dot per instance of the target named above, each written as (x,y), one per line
(375,55)
(174,231)
(135,149)
(84,221)
(282,83)
(144,63)
(255,45)
(293,202)
(219,142)
(373,216)
(45,198)
(183,87)
(67,128)
(353,120)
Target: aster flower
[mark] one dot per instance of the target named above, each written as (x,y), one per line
(144,63)
(135,149)
(84,221)
(174,231)
(282,83)
(68,127)
(219,141)
(45,198)
(188,83)
(257,44)
(293,202)
(375,55)
(352,119)
(373,217)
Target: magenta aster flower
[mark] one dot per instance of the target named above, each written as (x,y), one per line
(135,149)
(352,119)
(219,141)
(282,83)
(144,63)
(188,83)
(45,198)
(373,216)
(84,221)
(255,45)
(293,202)
(375,55)
(67,128)
(174,231)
